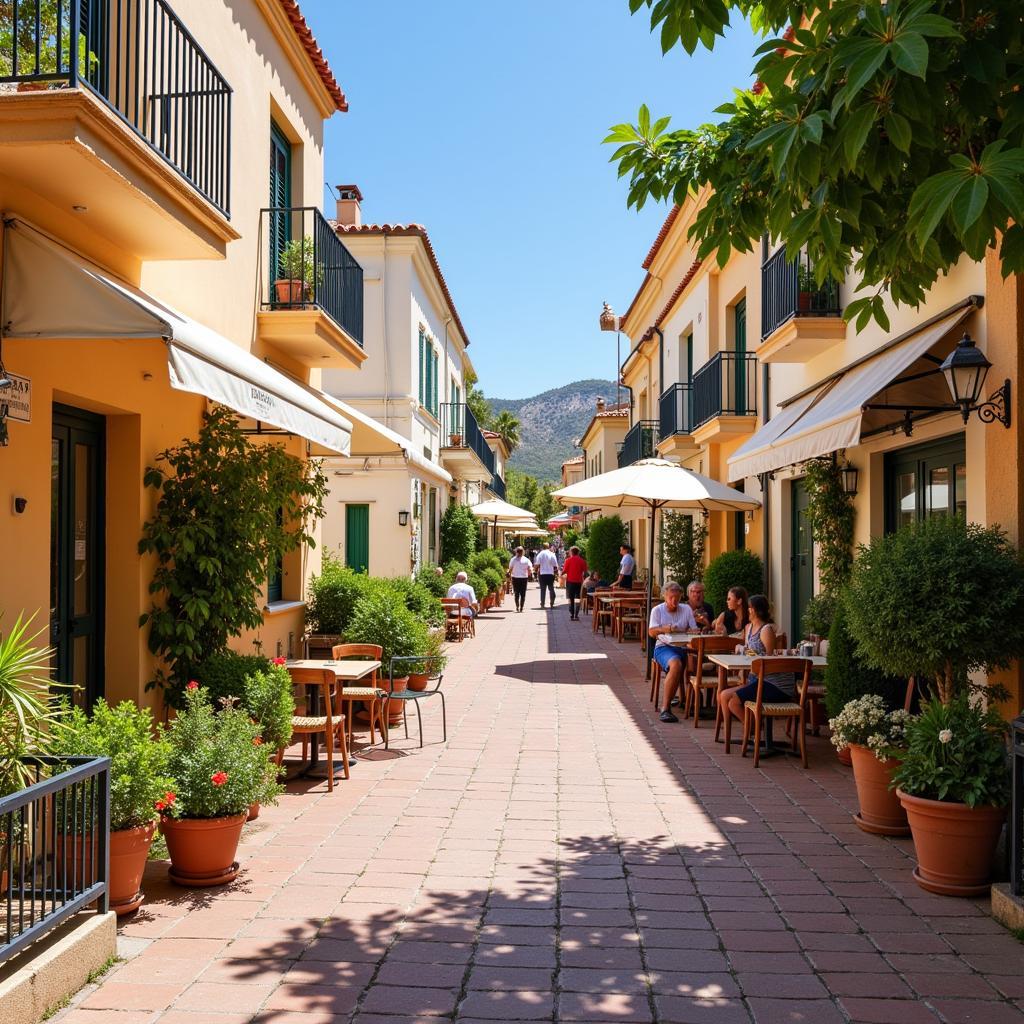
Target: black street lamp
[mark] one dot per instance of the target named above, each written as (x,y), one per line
(965,369)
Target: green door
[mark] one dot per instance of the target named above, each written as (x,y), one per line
(357,537)
(280,198)
(740,334)
(801,561)
(77,535)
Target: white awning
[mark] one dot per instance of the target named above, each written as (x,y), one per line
(50,292)
(834,415)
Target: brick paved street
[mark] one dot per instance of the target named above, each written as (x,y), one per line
(564,857)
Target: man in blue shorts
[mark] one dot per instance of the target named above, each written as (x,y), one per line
(671,616)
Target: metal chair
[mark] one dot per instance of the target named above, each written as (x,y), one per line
(415,696)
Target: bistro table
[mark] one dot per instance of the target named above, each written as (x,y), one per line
(741,663)
(615,600)
(348,671)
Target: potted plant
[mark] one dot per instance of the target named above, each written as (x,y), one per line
(300,272)
(140,787)
(940,600)
(876,737)
(954,784)
(382,618)
(433,663)
(330,602)
(221,766)
(267,697)
(806,285)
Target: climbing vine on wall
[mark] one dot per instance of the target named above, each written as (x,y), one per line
(831,515)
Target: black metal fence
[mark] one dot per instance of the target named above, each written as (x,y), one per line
(726,385)
(497,485)
(143,63)
(1016,830)
(54,847)
(675,410)
(789,289)
(639,443)
(308,265)
(459,429)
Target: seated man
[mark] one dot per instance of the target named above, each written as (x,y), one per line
(670,616)
(461,588)
(703,613)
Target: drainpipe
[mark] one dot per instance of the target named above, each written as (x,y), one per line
(661,365)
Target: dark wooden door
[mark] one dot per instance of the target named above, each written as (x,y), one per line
(801,560)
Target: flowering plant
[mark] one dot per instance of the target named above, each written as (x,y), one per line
(218,766)
(867,722)
(956,752)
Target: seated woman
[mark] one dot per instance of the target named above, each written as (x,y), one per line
(759,641)
(736,617)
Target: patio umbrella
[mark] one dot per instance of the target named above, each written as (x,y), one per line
(501,513)
(654,484)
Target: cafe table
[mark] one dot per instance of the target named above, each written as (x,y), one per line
(347,671)
(615,601)
(730,663)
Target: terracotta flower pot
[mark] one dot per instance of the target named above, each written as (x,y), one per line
(290,292)
(844,756)
(395,706)
(203,849)
(418,681)
(129,848)
(955,844)
(880,809)
(254,812)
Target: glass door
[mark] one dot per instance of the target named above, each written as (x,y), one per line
(740,334)
(77,551)
(280,199)
(924,481)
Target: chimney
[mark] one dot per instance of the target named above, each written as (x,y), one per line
(600,405)
(349,198)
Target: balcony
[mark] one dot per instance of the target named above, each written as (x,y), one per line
(640,442)
(464,449)
(799,319)
(114,111)
(311,307)
(724,397)
(675,424)
(497,487)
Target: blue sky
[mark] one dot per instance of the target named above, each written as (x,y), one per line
(483,121)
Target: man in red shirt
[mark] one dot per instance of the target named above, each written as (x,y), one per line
(575,570)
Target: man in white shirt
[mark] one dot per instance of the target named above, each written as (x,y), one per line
(519,569)
(547,568)
(461,588)
(626,568)
(671,616)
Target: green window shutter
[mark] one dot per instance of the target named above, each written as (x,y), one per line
(357,537)
(421,369)
(434,395)
(428,397)
(740,334)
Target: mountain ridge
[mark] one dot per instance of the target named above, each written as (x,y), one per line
(550,422)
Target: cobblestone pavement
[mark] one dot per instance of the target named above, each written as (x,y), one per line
(564,857)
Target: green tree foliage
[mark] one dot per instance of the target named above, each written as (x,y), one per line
(938,600)
(227,512)
(526,492)
(458,534)
(883,135)
(731,569)
(683,539)
(604,538)
(506,426)
(381,617)
(332,596)
(476,401)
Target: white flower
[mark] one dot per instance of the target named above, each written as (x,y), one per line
(945,736)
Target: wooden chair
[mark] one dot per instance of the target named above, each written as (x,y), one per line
(457,625)
(704,675)
(754,711)
(322,683)
(629,615)
(370,693)
(604,614)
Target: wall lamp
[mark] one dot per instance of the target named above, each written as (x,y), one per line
(403,518)
(849,475)
(965,369)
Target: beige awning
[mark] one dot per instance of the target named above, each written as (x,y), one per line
(835,414)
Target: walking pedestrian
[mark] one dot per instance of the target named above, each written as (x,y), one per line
(519,569)
(547,567)
(575,570)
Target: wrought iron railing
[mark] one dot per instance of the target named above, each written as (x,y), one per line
(789,289)
(308,265)
(675,409)
(459,429)
(140,60)
(639,443)
(1015,833)
(726,385)
(54,847)
(497,486)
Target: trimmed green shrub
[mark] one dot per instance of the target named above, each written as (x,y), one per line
(428,576)
(486,560)
(605,537)
(268,698)
(847,677)
(418,598)
(731,569)
(224,674)
(332,596)
(458,534)
(382,618)
(494,580)
(819,614)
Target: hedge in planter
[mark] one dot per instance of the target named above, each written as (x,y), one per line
(731,569)
(458,534)
(382,618)
(332,597)
(606,536)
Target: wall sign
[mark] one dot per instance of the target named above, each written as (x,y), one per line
(18,399)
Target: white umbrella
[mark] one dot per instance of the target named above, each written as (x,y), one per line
(501,510)
(655,484)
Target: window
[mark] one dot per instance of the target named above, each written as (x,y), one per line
(428,374)
(925,481)
(456,392)
(275,582)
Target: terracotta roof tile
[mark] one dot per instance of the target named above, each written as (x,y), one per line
(573,461)
(316,55)
(679,289)
(415,231)
(662,235)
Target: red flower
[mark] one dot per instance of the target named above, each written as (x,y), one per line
(160,805)
(279,661)
(219,778)
(193,685)
(257,741)
(166,803)
(170,798)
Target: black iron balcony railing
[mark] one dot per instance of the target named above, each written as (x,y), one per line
(309,266)
(54,847)
(497,485)
(138,58)
(788,289)
(675,410)
(726,385)
(459,429)
(639,442)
